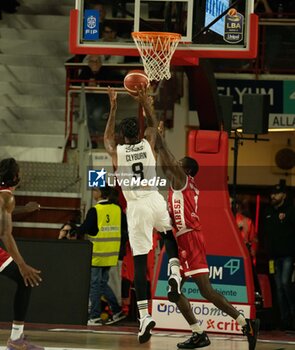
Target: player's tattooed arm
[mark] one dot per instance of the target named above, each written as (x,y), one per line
(147,104)
(109,133)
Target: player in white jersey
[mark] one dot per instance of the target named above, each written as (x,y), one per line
(137,166)
(146,208)
(12,264)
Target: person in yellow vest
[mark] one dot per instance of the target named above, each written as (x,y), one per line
(103,228)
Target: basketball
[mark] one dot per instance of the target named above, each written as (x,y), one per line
(232,12)
(135,79)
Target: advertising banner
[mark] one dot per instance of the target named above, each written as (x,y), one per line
(227,276)
(91,25)
(282,99)
(209,317)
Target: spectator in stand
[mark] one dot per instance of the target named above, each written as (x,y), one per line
(109,34)
(279,226)
(246,227)
(95,74)
(250,237)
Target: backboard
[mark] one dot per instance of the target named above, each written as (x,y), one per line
(232,36)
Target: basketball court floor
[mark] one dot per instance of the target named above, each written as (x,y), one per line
(119,338)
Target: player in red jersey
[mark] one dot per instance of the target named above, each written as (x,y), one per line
(12,264)
(183,206)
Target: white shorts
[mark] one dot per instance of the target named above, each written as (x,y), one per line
(143,215)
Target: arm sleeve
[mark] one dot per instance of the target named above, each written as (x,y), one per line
(89,225)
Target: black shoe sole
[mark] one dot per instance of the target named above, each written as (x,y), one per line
(194,346)
(147,334)
(252,342)
(173,295)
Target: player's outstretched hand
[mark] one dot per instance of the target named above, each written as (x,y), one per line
(142,95)
(113,97)
(145,99)
(30,275)
(32,206)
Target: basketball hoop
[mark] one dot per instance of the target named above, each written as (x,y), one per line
(156,50)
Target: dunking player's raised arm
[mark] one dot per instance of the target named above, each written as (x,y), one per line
(109,133)
(146,102)
(171,167)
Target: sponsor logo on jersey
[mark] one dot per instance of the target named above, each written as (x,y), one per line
(134,148)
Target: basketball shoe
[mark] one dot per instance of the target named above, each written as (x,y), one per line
(95,322)
(116,317)
(195,341)
(174,292)
(146,325)
(22,344)
(251,330)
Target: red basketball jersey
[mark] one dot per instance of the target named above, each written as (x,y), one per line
(5,258)
(183,206)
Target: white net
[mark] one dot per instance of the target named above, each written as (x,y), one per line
(156,51)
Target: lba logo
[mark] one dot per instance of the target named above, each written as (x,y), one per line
(97,178)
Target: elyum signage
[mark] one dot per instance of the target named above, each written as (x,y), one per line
(282,99)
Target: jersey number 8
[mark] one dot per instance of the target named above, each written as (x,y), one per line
(137,169)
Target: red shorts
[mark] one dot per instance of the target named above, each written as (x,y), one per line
(5,259)
(192,253)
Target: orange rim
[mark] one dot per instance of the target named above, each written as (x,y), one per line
(149,36)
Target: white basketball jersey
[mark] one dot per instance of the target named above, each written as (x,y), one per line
(136,173)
